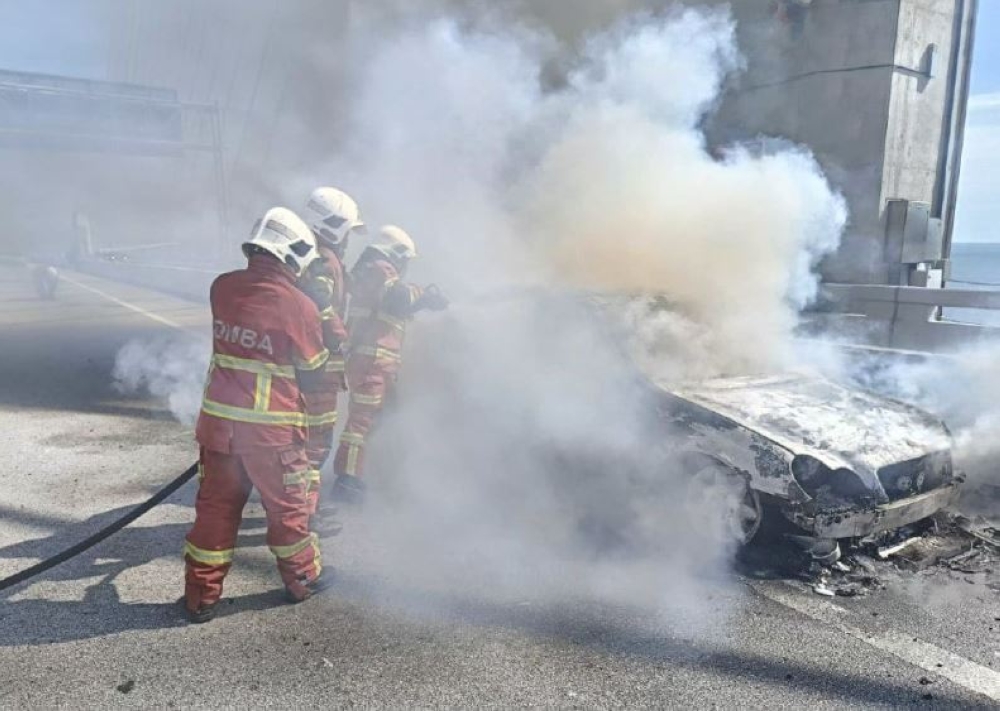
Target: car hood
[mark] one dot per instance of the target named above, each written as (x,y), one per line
(841,427)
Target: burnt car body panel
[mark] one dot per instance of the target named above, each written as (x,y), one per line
(841,427)
(865,521)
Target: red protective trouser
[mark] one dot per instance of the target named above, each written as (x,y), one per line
(227,479)
(368,384)
(322,409)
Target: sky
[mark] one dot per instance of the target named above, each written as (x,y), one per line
(64,37)
(978,215)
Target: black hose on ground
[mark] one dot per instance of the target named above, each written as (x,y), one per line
(105,532)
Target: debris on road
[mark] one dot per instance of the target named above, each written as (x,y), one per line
(967,549)
(978,528)
(822,589)
(889,551)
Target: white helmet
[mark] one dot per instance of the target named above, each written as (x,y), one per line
(332,214)
(394,243)
(283,233)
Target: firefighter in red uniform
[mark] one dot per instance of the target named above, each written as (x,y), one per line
(267,348)
(333,216)
(381,304)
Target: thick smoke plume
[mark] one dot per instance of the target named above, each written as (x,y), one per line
(522,455)
(605,183)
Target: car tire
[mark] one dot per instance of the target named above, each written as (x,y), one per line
(743,509)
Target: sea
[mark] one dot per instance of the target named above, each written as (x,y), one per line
(975,266)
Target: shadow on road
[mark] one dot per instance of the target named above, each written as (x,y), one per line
(69,367)
(101,612)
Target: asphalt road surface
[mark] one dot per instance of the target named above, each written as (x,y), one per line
(104,630)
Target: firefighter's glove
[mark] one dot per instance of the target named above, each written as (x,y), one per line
(348,489)
(433,300)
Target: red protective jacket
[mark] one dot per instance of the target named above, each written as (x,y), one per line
(331,280)
(326,286)
(381,304)
(264,330)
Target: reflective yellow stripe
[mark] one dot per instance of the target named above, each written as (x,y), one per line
(201,471)
(294,478)
(285,552)
(325,418)
(208,557)
(314,362)
(242,414)
(317,558)
(262,394)
(352,438)
(258,367)
(335,365)
(353,442)
(327,314)
(353,451)
(313,478)
(366,399)
(379,353)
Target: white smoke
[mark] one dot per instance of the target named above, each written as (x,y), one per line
(523,460)
(169,368)
(605,183)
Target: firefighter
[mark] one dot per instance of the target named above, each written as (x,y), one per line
(267,349)
(333,216)
(381,304)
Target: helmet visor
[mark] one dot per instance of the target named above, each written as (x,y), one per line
(330,228)
(281,229)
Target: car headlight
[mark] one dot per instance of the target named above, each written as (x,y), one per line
(821,482)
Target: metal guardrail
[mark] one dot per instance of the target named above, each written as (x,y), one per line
(902,317)
(853,294)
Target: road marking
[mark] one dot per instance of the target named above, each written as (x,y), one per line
(124,304)
(196,270)
(928,657)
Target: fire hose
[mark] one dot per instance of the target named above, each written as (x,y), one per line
(110,529)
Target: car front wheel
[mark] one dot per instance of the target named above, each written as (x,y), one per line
(719,490)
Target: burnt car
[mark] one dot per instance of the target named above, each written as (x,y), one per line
(833,460)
